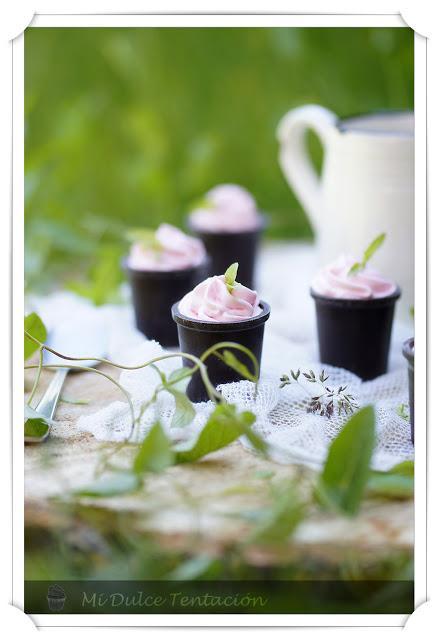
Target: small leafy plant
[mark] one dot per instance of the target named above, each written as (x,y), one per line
(329,400)
(368,254)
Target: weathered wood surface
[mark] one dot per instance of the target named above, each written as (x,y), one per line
(206,498)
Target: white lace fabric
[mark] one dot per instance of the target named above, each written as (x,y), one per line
(281,414)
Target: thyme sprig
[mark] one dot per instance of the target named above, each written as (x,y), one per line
(329,401)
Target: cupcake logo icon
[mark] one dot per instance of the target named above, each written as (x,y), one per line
(56,597)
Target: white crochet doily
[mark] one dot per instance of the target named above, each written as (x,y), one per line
(290,343)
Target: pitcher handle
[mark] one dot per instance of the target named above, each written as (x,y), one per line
(294,158)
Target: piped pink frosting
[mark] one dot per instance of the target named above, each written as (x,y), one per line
(334,281)
(211,300)
(175,251)
(229,208)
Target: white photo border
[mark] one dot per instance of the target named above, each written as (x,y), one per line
(220,20)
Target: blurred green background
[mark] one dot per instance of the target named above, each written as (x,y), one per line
(126,127)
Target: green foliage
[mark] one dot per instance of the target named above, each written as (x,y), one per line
(368,254)
(155,452)
(127,127)
(346,471)
(224,425)
(277,523)
(176,384)
(34,325)
(116,483)
(396,483)
(103,278)
(36,425)
(234,363)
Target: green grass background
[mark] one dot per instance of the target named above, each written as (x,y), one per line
(128,126)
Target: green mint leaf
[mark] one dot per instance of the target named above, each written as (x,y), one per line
(155,452)
(230,276)
(145,237)
(346,472)
(355,268)
(368,254)
(117,483)
(34,325)
(232,361)
(373,247)
(184,412)
(224,425)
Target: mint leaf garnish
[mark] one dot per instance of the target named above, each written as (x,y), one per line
(230,275)
(368,254)
(145,237)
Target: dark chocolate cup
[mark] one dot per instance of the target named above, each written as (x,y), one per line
(355,334)
(227,247)
(154,293)
(196,336)
(408,352)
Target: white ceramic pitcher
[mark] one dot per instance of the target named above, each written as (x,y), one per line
(366,186)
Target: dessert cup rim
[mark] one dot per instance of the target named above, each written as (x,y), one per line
(356,302)
(160,274)
(263,224)
(211,326)
(408,350)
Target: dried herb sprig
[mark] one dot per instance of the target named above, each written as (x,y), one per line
(329,401)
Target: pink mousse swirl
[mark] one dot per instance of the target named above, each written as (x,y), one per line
(173,250)
(334,281)
(212,300)
(229,207)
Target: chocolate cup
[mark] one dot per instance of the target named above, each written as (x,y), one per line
(196,336)
(154,293)
(355,334)
(226,247)
(408,352)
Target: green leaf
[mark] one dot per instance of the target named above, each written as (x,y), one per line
(343,480)
(184,412)
(202,566)
(368,254)
(145,237)
(230,276)
(36,428)
(174,378)
(232,361)
(391,485)
(224,425)
(373,247)
(155,452)
(34,325)
(117,483)
(74,401)
(277,523)
(397,482)
(103,278)
(36,424)
(405,468)
(355,268)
